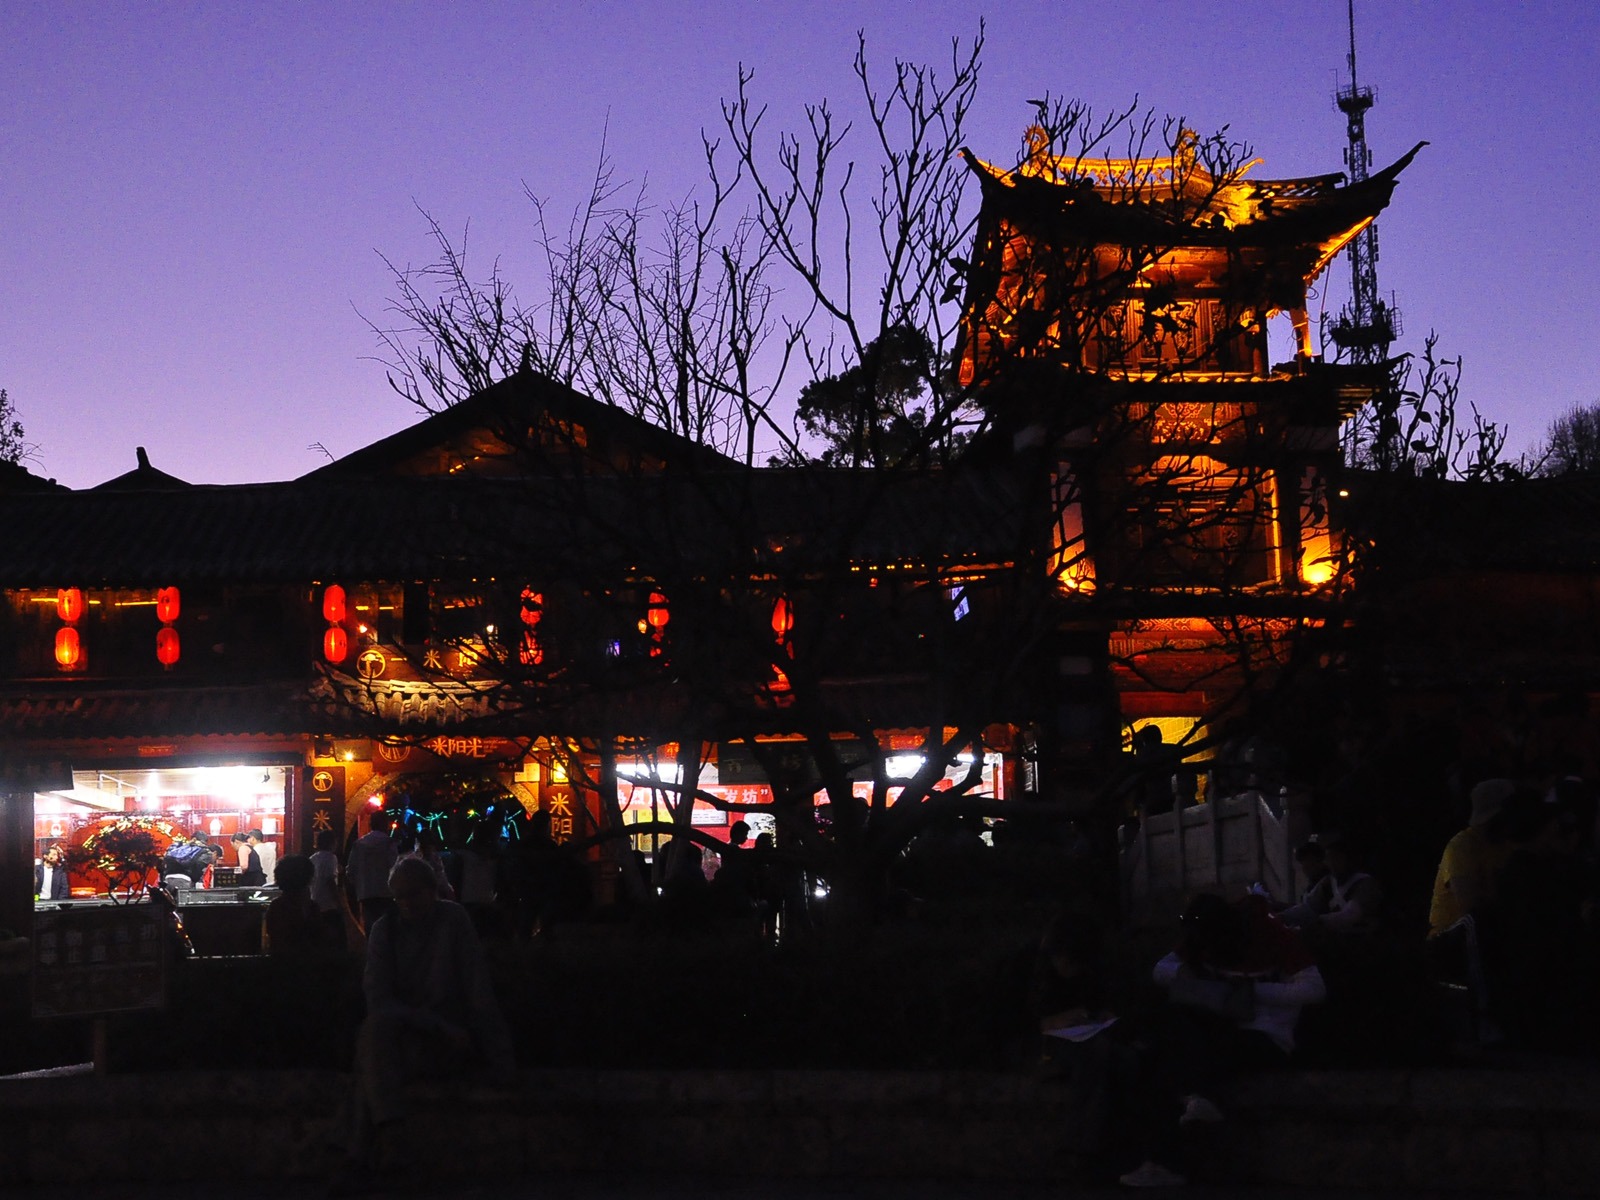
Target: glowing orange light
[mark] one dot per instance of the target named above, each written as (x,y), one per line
(167,646)
(1317,573)
(333,606)
(782,617)
(335,644)
(657,615)
(69,605)
(168,605)
(69,651)
(1318,558)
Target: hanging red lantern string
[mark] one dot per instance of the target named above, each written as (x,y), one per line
(657,615)
(531,605)
(333,604)
(531,653)
(335,641)
(782,618)
(335,644)
(167,646)
(69,651)
(168,605)
(69,605)
(655,619)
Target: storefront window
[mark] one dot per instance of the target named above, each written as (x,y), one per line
(214,802)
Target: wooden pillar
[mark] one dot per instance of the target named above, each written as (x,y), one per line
(16,862)
(1216,843)
(1302,332)
(16,890)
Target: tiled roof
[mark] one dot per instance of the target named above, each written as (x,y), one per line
(1519,525)
(513,414)
(419,528)
(14,477)
(255,533)
(47,714)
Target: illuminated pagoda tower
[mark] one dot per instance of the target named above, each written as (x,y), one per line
(1366,326)
(1116,329)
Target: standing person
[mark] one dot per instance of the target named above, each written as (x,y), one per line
(426,847)
(371,859)
(733,886)
(431,1010)
(292,923)
(325,881)
(476,886)
(266,850)
(250,872)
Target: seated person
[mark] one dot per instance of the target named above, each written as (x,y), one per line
(1237,982)
(1537,939)
(1343,900)
(431,1010)
(1236,985)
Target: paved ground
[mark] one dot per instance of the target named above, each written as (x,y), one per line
(565,1188)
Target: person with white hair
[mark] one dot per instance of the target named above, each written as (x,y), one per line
(431,1010)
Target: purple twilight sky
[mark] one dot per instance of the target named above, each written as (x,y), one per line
(194,196)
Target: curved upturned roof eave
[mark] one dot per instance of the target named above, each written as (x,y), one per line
(1068,213)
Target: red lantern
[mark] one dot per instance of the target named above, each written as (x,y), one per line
(782,618)
(657,616)
(779,688)
(167,647)
(335,644)
(167,605)
(333,607)
(532,607)
(69,605)
(531,652)
(69,651)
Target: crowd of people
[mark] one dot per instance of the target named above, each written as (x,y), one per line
(1344,975)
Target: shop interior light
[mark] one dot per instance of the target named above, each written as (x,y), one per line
(903,766)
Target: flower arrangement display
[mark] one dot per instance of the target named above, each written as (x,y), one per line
(121,852)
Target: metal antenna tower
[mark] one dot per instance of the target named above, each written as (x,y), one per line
(1366,326)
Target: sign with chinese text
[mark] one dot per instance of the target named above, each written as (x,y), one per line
(322,806)
(99,959)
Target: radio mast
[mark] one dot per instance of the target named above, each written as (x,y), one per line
(1366,326)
